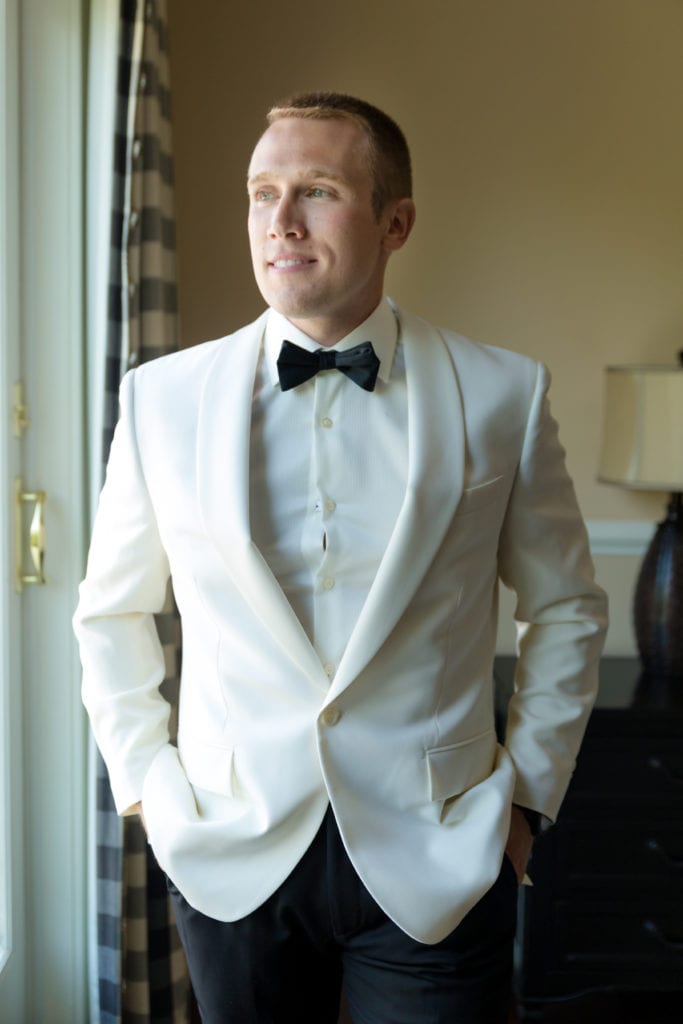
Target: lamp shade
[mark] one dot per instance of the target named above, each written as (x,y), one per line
(643,430)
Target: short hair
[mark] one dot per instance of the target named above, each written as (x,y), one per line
(388,151)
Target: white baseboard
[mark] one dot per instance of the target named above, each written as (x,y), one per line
(620,536)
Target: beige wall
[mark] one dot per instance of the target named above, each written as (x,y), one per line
(547,140)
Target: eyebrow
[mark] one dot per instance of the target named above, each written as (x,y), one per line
(308,172)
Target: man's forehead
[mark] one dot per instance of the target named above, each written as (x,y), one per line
(300,140)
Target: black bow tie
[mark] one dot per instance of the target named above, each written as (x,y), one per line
(296,365)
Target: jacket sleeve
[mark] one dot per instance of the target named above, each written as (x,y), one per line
(561,614)
(125,585)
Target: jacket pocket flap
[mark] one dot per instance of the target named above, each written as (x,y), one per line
(475,498)
(207,766)
(459,766)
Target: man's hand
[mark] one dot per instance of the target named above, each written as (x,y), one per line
(520,841)
(138,808)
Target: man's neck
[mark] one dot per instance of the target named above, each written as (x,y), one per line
(328,331)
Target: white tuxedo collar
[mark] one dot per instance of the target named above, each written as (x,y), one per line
(436,444)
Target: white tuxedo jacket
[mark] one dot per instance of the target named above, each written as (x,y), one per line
(402,742)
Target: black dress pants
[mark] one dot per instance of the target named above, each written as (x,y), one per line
(285,963)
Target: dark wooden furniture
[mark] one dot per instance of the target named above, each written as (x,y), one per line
(605,913)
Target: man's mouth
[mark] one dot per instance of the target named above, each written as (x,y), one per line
(285,263)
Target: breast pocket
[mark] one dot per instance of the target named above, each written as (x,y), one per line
(474,499)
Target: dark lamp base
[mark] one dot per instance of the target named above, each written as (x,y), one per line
(658,605)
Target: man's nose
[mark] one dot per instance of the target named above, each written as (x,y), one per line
(286,220)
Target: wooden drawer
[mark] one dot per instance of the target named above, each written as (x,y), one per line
(645,937)
(603,945)
(623,856)
(628,767)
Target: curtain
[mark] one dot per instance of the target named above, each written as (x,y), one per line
(142,974)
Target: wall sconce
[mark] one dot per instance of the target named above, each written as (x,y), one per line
(643,449)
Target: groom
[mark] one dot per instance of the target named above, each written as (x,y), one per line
(335,492)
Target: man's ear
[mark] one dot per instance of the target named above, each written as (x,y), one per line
(400,219)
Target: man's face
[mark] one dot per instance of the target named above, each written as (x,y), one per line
(319,253)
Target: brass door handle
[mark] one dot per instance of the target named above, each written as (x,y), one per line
(36,536)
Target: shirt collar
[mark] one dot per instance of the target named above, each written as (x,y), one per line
(381,328)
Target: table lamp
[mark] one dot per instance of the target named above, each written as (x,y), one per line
(643,449)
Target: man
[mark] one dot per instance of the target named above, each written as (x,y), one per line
(335,491)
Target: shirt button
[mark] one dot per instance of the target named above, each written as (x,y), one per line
(328,583)
(326,421)
(330,715)
(329,668)
(330,505)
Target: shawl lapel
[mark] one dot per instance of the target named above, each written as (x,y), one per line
(223,431)
(436,452)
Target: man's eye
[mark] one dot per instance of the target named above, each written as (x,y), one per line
(262,195)
(318,193)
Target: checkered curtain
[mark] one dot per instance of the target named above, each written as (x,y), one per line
(142,973)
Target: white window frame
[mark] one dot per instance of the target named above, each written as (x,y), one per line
(43,828)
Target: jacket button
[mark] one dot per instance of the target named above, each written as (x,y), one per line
(330,715)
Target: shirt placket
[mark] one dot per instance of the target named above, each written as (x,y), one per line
(329,625)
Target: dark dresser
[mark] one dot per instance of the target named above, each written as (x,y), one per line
(605,913)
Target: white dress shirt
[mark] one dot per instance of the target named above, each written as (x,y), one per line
(328,473)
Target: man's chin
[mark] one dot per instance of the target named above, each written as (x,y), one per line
(296,308)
